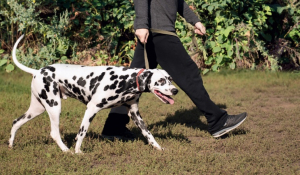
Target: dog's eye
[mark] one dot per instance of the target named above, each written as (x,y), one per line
(162,81)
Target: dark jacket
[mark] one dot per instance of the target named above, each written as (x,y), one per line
(161,14)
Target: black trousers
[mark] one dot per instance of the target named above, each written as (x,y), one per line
(169,53)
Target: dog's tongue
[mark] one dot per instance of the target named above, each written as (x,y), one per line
(165,97)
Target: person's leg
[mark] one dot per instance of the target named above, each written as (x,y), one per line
(172,57)
(115,124)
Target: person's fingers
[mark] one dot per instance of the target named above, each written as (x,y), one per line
(146,37)
(200,29)
(142,35)
(197,31)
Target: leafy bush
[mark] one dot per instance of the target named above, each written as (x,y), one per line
(241,33)
(255,34)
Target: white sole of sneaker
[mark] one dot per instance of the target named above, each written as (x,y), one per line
(226,130)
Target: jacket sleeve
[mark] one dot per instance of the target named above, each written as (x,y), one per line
(141,8)
(187,13)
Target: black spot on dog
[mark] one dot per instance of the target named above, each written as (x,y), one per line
(112,98)
(18,119)
(46,73)
(93,82)
(82,99)
(91,119)
(139,123)
(81,82)
(52,69)
(60,81)
(43,94)
(83,92)
(129,98)
(55,88)
(124,77)
(74,78)
(95,89)
(106,87)
(109,68)
(162,81)
(125,68)
(89,98)
(29,116)
(101,76)
(103,102)
(114,85)
(87,77)
(49,79)
(76,90)
(91,74)
(53,76)
(52,103)
(113,77)
(122,87)
(112,72)
(133,75)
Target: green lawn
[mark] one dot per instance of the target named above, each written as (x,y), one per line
(268,142)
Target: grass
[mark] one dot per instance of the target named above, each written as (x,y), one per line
(266,143)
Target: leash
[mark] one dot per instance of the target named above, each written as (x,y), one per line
(137,80)
(194,41)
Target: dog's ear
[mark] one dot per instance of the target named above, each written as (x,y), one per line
(145,80)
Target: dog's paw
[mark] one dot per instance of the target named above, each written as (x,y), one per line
(79,152)
(158,148)
(68,152)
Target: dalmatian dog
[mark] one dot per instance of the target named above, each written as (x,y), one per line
(98,87)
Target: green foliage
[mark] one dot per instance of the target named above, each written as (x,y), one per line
(239,33)
(53,43)
(256,34)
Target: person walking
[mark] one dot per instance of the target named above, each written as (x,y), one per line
(169,53)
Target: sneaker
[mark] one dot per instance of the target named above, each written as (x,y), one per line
(125,135)
(231,123)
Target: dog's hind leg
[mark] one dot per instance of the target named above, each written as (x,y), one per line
(53,108)
(89,115)
(35,109)
(136,117)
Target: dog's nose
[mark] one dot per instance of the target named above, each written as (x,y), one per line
(174,91)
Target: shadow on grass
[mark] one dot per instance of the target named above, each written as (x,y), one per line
(70,137)
(187,117)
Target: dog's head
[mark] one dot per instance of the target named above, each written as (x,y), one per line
(159,83)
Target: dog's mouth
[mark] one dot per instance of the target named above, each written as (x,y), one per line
(164,98)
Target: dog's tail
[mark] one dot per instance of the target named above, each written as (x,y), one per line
(21,66)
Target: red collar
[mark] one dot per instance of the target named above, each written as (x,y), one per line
(137,80)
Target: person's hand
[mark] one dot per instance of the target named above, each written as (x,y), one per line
(200,29)
(142,35)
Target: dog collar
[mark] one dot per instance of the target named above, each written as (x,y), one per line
(137,78)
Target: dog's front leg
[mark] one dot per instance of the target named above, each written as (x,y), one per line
(136,117)
(89,115)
